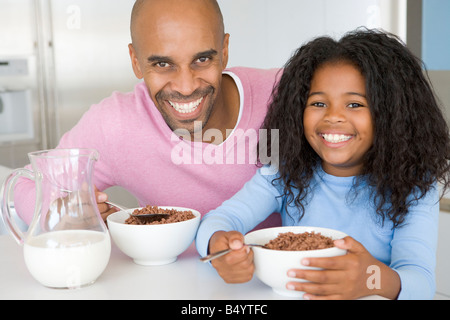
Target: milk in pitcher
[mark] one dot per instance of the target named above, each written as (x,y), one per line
(67,259)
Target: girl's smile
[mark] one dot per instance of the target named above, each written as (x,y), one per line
(335,139)
(337,119)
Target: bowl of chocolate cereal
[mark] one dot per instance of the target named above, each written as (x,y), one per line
(155,240)
(285,247)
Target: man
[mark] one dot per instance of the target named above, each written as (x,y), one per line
(178,139)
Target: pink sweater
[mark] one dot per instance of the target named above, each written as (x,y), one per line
(140,153)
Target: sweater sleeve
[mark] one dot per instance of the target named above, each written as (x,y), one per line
(414,248)
(243,212)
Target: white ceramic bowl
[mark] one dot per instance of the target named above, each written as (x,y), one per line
(271,266)
(152,244)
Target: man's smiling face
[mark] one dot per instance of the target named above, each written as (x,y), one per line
(180,52)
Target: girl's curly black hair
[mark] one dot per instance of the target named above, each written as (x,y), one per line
(411,147)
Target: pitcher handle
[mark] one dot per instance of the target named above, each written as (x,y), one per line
(5,193)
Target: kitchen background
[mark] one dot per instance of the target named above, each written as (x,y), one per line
(58,57)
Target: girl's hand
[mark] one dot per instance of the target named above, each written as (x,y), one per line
(350,276)
(236,266)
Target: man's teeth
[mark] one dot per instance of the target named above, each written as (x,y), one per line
(336,138)
(186,107)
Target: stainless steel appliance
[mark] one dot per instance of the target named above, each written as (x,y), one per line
(57,58)
(20,105)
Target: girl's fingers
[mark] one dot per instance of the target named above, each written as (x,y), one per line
(317,276)
(314,289)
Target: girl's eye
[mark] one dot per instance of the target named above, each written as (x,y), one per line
(355,105)
(319,104)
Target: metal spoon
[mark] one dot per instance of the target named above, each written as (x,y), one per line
(112,204)
(149,215)
(146,215)
(109,203)
(218,254)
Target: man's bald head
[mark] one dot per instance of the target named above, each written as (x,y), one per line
(141,6)
(180,49)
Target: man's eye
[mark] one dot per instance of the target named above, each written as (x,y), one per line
(162,64)
(203,59)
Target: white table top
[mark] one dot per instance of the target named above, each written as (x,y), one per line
(185,279)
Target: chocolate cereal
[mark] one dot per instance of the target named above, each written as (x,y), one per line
(290,241)
(174,216)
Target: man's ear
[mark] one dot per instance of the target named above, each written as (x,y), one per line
(135,62)
(225,51)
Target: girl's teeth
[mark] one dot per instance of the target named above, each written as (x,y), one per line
(186,107)
(336,138)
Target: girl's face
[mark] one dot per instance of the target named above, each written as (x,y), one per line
(337,119)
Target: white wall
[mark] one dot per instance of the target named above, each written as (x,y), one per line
(264,33)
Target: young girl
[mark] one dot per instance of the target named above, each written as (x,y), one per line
(363,146)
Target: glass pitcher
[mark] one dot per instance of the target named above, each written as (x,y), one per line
(67,244)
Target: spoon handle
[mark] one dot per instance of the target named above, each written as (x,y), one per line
(215,255)
(109,203)
(218,254)
(112,204)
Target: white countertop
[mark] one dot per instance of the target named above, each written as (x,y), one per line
(185,279)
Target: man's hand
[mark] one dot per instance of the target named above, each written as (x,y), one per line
(104,208)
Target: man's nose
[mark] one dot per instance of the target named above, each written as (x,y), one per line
(185,81)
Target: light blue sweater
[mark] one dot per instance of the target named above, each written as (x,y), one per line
(410,249)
